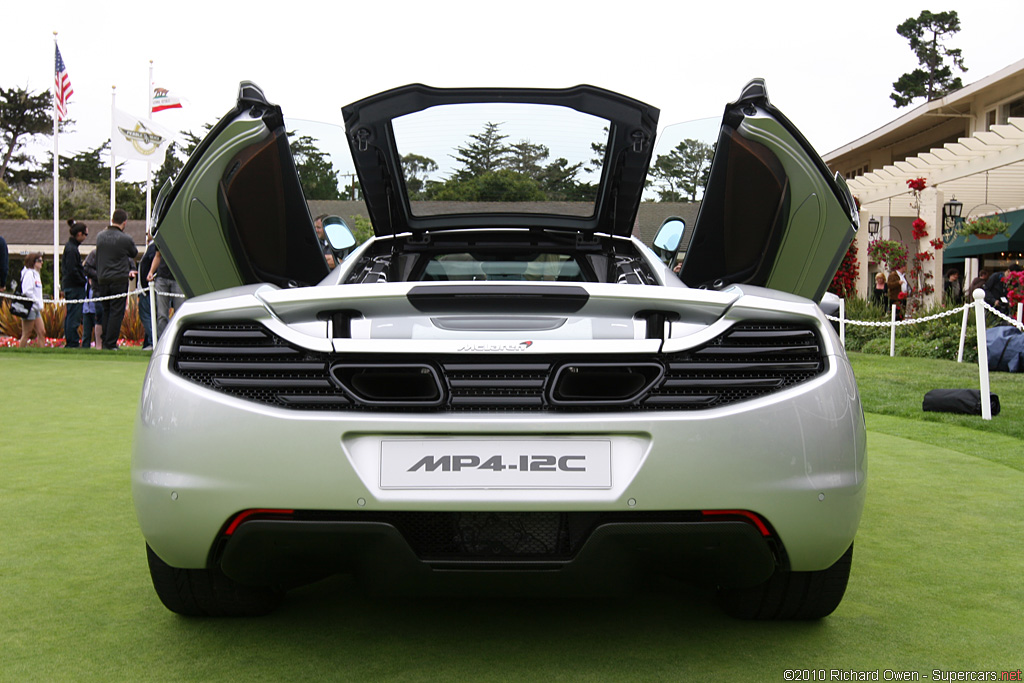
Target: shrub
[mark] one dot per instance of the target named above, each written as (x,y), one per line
(933,339)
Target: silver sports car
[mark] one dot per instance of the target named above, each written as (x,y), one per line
(503,386)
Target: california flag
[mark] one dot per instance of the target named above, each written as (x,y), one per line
(165,99)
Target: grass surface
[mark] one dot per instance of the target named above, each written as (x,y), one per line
(935,581)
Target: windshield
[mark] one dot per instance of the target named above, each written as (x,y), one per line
(682,161)
(543,266)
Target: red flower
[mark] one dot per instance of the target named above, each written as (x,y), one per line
(925,256)
(916,184)
(937,243)
(902,296)
(920,228)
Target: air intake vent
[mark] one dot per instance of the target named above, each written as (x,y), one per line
(750,360)
(247,361)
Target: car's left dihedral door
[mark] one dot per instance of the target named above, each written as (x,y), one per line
(773,214)
(236,214)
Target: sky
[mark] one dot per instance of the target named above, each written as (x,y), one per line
(829,66)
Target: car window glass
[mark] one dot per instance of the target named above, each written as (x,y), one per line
(501,157)
(477,266)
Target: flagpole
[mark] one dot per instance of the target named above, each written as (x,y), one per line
(149,166)
(113,159)
(56,185)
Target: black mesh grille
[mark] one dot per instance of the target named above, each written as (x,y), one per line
(499,536)
(247,361)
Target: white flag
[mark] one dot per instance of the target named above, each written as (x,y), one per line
(137,138)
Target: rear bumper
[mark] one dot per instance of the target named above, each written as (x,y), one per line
(381,555)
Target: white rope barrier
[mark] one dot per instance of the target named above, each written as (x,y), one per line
(979,306)
(132,292)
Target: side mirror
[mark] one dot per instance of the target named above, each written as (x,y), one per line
(338,233)
(669,236)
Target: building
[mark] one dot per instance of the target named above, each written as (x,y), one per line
(969,148)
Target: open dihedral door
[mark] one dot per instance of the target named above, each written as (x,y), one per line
(236,214)
(773,215)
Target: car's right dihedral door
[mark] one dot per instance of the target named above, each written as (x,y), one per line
(772,215)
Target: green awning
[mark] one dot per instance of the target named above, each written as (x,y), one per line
(968,246)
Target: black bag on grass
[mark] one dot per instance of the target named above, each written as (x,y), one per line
(965,401)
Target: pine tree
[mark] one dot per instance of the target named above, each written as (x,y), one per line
(935,79)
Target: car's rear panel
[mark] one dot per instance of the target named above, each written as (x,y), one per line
(694,405)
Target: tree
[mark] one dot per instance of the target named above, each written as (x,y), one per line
(88,166)
(9,208)
(683,171)
(485,154)
(415,168)
(558,180)
(79,199)
(503,185)
(935,80)
(23,115)
(599,149)
(176,157)
(526,158)
(316,171)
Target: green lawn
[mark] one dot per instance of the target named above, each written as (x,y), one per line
(935,584)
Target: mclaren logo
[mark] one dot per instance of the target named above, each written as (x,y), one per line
(496,348)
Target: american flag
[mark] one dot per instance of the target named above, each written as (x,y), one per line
(62,88)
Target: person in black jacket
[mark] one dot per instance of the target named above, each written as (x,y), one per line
(115,265)
(72,282)
(4,260)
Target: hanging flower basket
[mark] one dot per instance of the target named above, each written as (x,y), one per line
(889,252)
(985,227)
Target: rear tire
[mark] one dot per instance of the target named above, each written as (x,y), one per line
(791,595)
(208,592)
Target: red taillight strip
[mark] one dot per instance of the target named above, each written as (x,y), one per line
(242,516)
(754,518)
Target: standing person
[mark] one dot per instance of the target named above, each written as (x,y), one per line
(977,283)
(32,287)
(145,310)
(880,290)
(899,289)
(115,265)
(72,281)
(321,236)
(162,277)
(92,331)
(95,323)
(953,294)
(995,290)
(4,261)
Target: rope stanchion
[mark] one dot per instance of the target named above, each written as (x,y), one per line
(979,312)
(892,334)
(963,333)
(842,322)
(152,312)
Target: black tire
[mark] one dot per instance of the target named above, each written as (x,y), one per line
(791,595)
(208,592)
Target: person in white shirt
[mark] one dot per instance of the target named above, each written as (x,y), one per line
(32,287)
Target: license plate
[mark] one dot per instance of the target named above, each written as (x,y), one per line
(495,464)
